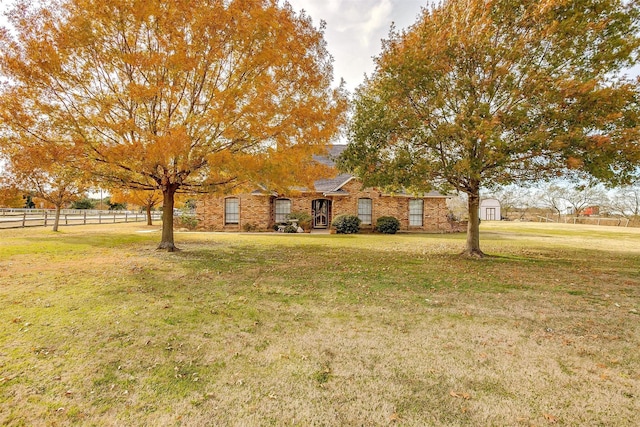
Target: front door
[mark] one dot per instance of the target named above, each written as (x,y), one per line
(320,209)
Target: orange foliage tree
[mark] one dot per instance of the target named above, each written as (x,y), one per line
(10,195)
(41,159)
(147,199)
(48,171)
(178,95)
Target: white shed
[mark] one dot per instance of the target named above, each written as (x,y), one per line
(490,210)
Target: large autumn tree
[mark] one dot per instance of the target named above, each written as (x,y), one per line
(479,93)
(179,95)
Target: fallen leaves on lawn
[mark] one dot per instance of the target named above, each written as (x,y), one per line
(465,396)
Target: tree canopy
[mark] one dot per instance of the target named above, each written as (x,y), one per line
(146,199)
(47,165)
(178,95)
(479,93)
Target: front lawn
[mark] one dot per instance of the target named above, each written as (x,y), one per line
(98,328)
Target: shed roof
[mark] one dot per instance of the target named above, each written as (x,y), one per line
(490,202)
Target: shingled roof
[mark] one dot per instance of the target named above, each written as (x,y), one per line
(332,185)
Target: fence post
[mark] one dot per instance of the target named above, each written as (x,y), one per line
(24,219)
(66,219)
(45,218)
(125,217)
(99,218)
(85,217)
(114,217)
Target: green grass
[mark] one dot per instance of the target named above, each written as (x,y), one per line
(270,329)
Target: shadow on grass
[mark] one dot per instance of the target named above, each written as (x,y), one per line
(406,265)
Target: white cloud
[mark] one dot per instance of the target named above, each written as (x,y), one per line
(355,29)
(379,19)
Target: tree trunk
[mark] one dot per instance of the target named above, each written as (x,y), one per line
(473,228)
(168,194)
(149,222)
(56,222)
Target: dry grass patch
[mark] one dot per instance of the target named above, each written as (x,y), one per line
(264,329)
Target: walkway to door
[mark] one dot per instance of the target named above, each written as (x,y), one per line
(320,231)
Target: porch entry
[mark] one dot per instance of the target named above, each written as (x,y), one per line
(320,209)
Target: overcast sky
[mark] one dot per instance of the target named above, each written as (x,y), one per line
(355,29)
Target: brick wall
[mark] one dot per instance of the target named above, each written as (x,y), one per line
(255,210)
(258,211)
(434,209)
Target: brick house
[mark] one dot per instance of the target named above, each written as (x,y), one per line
(329,198)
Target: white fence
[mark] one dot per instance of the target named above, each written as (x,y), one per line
(618,222)
(588,220)
(18,218)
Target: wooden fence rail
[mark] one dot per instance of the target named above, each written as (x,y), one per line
(18,218)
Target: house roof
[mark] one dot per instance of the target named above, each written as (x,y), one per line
(332,185)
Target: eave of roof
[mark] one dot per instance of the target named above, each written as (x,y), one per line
(336,193)
(429,195)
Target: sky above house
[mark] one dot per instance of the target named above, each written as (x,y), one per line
(355,29)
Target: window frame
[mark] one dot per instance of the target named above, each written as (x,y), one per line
(231,217)
(415,214)
(365,213)
(281,216)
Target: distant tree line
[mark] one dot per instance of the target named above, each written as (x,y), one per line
(560,198)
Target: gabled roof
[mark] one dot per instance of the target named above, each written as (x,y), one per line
(332,155)
(332,185)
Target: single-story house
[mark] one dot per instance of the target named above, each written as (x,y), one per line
(344,194)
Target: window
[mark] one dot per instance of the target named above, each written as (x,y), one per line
(364,210)
(415,212)
(283,209)
(231,211)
